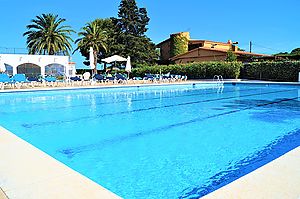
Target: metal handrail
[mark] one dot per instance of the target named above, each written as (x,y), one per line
(219,79)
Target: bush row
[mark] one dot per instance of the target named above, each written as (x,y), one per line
(200,70)
(278,71)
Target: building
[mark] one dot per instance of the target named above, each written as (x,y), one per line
(35,65)
(198,50)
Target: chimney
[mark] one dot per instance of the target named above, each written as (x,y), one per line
(234,48)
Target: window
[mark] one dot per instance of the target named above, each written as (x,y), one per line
(54,70)
(8,69)
(29,69)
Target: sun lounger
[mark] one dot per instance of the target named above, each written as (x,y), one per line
(99,78)
(137,78)
(120,78)
(148,77)
(34,81)
(110,78)
(5,80)
(184,78)
(75,78)
(166,77)
(50,81)
(20,80)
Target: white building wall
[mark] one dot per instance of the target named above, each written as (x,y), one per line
(15,60)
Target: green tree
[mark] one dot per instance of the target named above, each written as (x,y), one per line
(132,20)
(112,31)
(92,35)
(282,53)
(296,51)
(132,24)
(230,56)
(47,35)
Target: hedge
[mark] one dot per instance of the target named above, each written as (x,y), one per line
(275,70)
(200,70)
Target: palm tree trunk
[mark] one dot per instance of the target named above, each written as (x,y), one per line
(95,62)
(104,67)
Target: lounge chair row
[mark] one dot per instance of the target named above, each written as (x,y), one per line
(19,80)
(117,78)
(164,77)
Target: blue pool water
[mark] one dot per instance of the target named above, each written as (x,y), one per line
(180,141)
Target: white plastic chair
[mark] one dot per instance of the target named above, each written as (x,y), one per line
(86,76)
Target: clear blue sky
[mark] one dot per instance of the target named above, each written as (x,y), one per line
(273,26)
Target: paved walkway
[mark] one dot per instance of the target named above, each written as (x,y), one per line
(2,194)
(28,173)
(280,179)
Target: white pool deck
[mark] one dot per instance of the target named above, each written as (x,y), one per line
(27,172)
(280,179)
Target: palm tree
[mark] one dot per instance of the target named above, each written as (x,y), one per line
(94,36)
(47,35)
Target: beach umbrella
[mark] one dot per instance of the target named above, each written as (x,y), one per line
(92,58)
(114,58)
(115,68)
(2,67)
(128,66)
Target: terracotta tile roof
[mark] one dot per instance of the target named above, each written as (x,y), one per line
(191,41)
(218,50)
(202,41)
(162,42)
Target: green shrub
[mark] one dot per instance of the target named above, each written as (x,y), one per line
(275,70)
(230,56)
(199,70)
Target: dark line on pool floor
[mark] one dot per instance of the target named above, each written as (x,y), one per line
(70,152)
(30,125)
(277,148)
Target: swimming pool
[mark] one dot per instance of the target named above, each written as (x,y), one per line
(180,141)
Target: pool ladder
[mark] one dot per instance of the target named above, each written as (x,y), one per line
(219,81)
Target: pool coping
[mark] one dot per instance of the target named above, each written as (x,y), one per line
(27,172)
(99,86)
(279,178)
(2,194)
(107,86)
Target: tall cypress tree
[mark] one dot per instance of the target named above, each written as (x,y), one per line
(132,23)
(128,17)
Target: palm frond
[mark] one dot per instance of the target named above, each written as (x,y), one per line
(47,35)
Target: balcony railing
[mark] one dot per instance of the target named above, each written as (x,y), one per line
(4,50)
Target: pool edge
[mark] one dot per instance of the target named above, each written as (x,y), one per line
(49,178)
(279,178)
(111,86)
